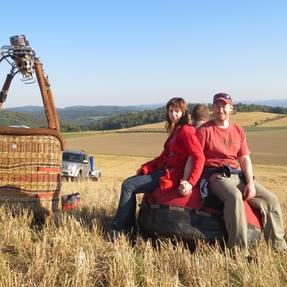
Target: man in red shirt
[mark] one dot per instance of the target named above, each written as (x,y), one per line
(224,143)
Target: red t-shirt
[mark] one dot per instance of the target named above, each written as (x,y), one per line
(222,146)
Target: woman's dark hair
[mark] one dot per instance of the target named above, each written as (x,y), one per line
(182,105)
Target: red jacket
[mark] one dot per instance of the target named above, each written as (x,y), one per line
(181,144)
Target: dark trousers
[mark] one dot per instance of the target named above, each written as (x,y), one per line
(124,219)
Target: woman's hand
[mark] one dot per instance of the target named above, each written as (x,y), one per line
(185,188)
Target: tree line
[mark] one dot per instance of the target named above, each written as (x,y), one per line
(118,121)
(260,108)
(159,115)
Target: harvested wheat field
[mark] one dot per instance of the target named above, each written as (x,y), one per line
(282,122)
(75,249)
(135,144)
(247,119)
(268,146)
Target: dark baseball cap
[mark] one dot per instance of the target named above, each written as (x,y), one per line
(222,97)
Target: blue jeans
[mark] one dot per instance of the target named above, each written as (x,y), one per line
(124,219)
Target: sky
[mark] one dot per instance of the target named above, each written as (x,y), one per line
(146,52)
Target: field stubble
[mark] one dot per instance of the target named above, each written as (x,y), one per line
(76,249)
(267,145)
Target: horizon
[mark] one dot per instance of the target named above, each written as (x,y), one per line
(133,53)
(247,102)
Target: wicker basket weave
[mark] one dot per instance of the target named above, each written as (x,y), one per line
(30,170)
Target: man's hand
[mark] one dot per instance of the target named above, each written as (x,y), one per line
(246,166)
(249,191)
(185,188)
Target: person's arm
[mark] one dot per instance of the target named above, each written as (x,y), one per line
(201,136)
(152,165)
(185,187)
(195,151)
(246,166)
(187,168)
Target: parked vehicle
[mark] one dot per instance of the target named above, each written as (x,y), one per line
(78,165)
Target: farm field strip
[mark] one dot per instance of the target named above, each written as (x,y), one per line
(268,146)
(77,250)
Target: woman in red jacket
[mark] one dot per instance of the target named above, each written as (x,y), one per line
(166,170)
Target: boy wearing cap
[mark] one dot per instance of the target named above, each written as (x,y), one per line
(224,143)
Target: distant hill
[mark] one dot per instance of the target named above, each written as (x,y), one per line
(71,118)
(271,103)
(84,118)
(10,118)
(26,109)
(83,115)
(99,110)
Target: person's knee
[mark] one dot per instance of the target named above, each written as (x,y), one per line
(270,202)
(273,201)
(127,186)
